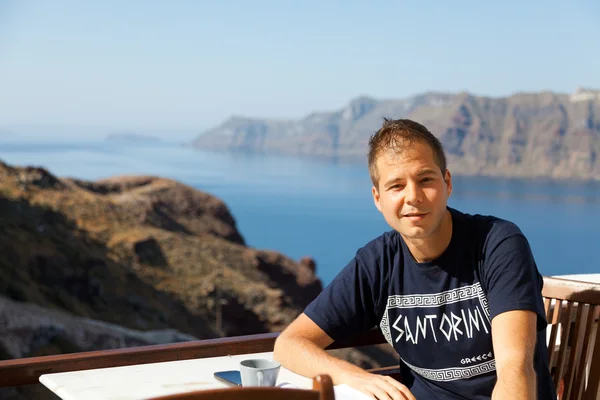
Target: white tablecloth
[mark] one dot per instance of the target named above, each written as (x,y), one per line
(137,382)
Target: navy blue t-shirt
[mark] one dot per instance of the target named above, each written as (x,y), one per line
(437,315)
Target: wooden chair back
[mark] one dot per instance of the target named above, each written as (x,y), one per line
(322,390)
(573,310)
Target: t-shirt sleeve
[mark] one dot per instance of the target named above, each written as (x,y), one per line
(512,279)
(346,306)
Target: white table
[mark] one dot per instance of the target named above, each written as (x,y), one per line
(137,382)
(593,278)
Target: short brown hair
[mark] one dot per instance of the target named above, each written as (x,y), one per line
(398,135)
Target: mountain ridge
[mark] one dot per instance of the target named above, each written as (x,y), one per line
(527,134)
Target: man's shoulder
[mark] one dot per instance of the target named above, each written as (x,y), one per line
(387,242)
(492,229)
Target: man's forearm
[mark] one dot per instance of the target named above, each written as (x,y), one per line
(303,357)
(516,384)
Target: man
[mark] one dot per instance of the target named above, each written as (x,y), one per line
(458,296)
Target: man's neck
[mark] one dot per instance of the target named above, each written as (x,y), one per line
(430,248)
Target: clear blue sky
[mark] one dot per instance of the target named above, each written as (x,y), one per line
(188,65)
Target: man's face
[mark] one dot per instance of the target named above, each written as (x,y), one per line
(412,192)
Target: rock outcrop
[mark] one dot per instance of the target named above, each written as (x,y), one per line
(28,330)
(141,252)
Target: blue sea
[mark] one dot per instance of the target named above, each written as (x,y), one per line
(303,207)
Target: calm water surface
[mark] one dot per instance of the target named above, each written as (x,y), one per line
(302,207)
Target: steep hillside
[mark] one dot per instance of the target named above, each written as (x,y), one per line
(141,252)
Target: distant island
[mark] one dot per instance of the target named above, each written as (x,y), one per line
(533,135)
(133,137)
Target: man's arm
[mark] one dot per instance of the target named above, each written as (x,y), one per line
(300,348)
(514,338)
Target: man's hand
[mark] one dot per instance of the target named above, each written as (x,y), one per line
(378,387)
(300,349)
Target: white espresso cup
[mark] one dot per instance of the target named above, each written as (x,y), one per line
(259,372)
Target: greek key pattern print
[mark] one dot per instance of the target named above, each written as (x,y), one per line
(484,303)
(385,328)
(435,299)
(453,374)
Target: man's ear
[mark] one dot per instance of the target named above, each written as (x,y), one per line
(376,198)
(448,179)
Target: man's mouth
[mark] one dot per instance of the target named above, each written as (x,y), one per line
(415,216)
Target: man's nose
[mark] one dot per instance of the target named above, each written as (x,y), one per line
(413,194)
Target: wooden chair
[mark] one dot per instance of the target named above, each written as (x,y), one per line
(573,310)
(322,390)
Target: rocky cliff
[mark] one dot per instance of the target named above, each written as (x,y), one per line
(142,252)
(129,261)
(524,135)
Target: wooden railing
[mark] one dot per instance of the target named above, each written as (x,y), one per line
(25,371)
